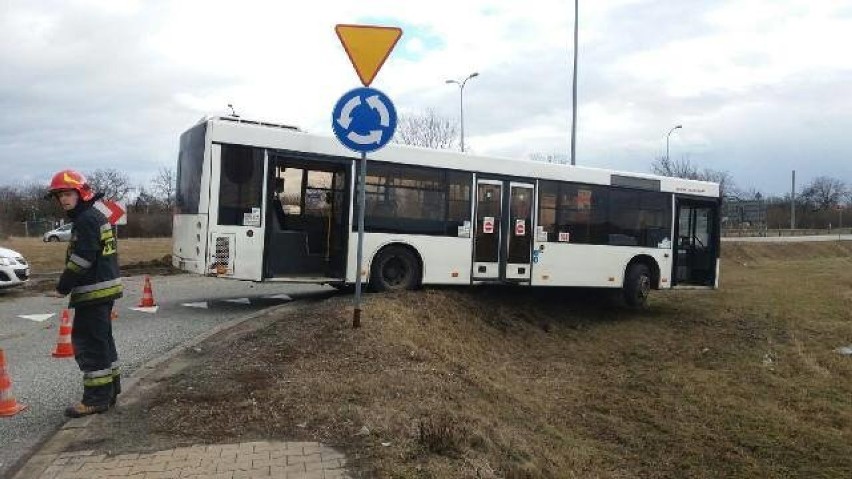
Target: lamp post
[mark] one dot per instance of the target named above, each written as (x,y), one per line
(574,87)
(667,139)
(461,85)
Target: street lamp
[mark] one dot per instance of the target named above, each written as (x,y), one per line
(667,139)
(461,85)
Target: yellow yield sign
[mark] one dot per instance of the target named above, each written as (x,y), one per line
(368,47)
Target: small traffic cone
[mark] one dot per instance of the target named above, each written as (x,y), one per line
(8,405)
(113,315)
(147,295)
(64,348)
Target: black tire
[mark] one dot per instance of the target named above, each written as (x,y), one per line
(53,239)
(395,268)
(637,286)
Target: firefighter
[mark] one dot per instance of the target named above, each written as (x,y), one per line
(91,278)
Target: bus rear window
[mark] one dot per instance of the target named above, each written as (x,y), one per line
(190,164)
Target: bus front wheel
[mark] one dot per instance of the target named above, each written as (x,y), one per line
(637,286)
(395,268)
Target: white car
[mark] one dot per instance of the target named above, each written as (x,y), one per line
(14,270)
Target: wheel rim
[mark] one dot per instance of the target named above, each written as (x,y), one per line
(644,286)
(395,271)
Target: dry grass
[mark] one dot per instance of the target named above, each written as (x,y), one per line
(742,382)
(50,257)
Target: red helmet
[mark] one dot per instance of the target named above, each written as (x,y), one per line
(71,180)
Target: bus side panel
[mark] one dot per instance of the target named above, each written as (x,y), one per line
(189,246)
(446,260)
(597,266)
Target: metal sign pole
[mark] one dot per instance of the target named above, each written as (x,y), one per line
(362,187)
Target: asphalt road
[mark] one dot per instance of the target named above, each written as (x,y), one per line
(46,385)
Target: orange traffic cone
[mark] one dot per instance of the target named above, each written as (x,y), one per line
(8,405)
(147,295)
(113,315)
(64,349)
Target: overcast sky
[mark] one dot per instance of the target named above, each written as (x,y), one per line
(761,86)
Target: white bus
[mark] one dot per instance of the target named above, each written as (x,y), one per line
(264,202)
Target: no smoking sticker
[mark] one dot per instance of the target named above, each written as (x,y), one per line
(488,225)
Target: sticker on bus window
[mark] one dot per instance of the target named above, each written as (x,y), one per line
(520,227)
(464,230)
(564,237)
(488,225)
(253,218)
(665,244)
(584,199)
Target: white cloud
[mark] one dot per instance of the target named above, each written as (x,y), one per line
(106,82)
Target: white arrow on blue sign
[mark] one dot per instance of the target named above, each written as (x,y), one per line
(364,120)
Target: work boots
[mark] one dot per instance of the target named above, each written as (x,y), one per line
(80,410)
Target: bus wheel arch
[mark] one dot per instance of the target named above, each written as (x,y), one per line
(396,266)
(641,275)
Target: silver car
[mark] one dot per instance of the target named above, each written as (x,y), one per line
(63,233)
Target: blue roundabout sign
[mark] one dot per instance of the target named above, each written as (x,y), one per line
(364,119)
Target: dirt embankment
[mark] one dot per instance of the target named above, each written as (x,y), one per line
(512,382)
(500,382)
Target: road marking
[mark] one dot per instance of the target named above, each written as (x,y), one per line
(202,305)
(151,310)
(239,301)
(36,317)
(283,297)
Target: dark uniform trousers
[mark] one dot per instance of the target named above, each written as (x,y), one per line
(95,353)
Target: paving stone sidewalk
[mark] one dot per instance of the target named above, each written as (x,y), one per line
(287,460)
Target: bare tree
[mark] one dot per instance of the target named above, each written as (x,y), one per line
(164,186)
(114,184)
(825,192)
(427,129)
(685,168)
(558,158)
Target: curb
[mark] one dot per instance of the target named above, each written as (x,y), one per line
(34,463)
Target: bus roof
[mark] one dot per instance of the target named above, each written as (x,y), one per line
(281,137)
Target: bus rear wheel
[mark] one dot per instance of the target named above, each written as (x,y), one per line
(395,268)
(637,286)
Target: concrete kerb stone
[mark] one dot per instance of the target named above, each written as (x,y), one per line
(33,465)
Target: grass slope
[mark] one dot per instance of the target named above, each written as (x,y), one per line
(482,382)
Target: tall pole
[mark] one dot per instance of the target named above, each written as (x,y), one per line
(574,87)
(362,186)
(668,135)
(793,203)
(461,114)
(461,85)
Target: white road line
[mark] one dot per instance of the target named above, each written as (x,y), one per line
(239,301)
(280,296)
(150,310)
(202,305)
(36,317)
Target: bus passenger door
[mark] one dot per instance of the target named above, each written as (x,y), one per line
(502,245)
(519,233)
(696,243)
(489,219)
(308,218)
